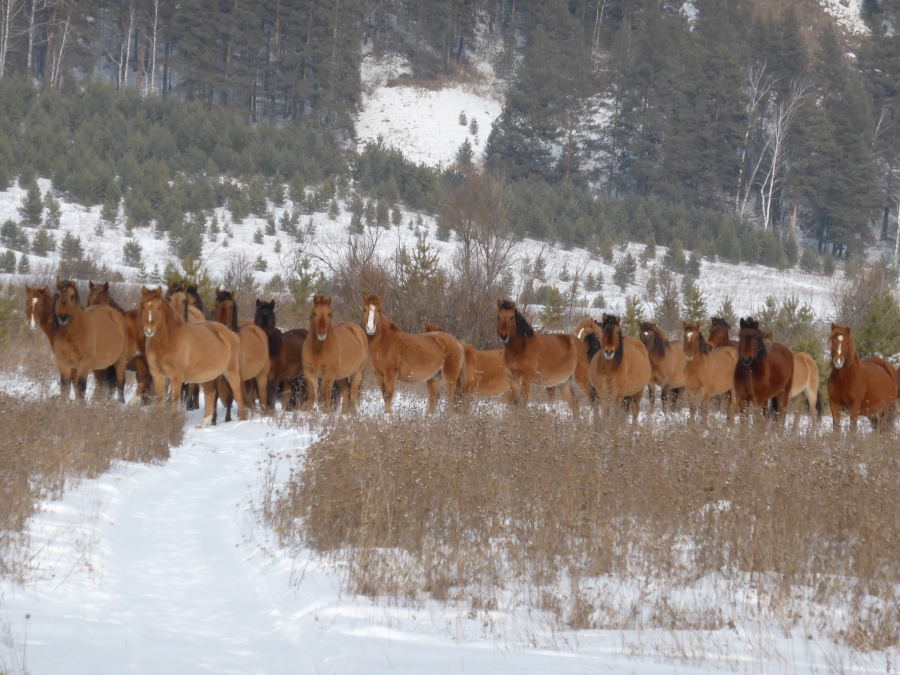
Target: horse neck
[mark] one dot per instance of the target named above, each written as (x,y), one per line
(48,324)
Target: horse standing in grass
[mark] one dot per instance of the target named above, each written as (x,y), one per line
(619,369)
(860,386)
(708,372)
(484,373)
(285,355)
(667,361)
(137,362)
(333,353)
(86,341)
(254,352)
(764,373)
(806,379)
(426,357)
(179,352)
(720,334)
(180,302)
(556,360)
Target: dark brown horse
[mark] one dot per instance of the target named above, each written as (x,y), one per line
(254,352)
(619,370)
(137,363)
(86,341)
(556,360)
(764,373)
(859,386)
(285,357)
(720,334)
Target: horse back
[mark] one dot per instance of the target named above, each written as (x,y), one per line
(254,350)
(109,332)
(881,380)
(485,373)
(204,350)
(806,374)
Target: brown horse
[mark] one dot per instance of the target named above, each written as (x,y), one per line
(189,352)
(764,373)
(484,374)
(619,369)
(708,372)
(426,357)
(333,353)
(806,378)
(667,361)
(556,360)
(859,386)
(87,340)
(720,334)
(285,356)
(137,362)
(39,311)
(181,303)
(254,354)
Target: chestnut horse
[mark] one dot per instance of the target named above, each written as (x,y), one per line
(426,357)
(39,311)
(285,356)
(137,362)
(87,340)
(189,352)
(806,378)
(181,303)
(557,360)
(666,361)
(720,334)
(764,373)
(708,372)
(859,386)
(619,370)
(333,353)
(484,373)
(254,354)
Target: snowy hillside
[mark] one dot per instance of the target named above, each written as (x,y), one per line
(746,285)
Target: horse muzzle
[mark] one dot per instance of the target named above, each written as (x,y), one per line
(321,335)
(608,354)
(149,332)
(62,319)
(689,358)
(504,338)
(746,362)
(370,331)
(838,363)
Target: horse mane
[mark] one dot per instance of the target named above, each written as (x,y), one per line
(610,321)
(522,326)
(198,301)
(704,345)
(660,341)
(429,327)
(174,287)
(719,321)
(593,345)
(752,324)
(63,284)
(222,297)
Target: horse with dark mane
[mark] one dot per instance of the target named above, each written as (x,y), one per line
(397,355)
(555,360)
(860,386)
(619,369)
(805,380)
(181,303)
(708,372)
(137,362)
(285,356)
(720,334)
(667,361)
(764,373)
(254,352)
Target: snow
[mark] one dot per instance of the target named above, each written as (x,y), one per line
(166,568)
(422,122)
(847,14)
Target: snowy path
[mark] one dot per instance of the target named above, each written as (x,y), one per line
(163,569)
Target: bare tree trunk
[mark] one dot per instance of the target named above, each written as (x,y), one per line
(778,131)
(756,89)
(140,58)
(153,38)
(29,57)
(8,11)
(56,74)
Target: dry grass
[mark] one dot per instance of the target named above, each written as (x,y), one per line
(47,445)
(604,525)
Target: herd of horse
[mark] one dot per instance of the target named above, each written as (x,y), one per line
(168,342)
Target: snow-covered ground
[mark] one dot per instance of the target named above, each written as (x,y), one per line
(167,569)
(746,285)
(847,14)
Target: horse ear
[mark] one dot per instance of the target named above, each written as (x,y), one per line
(27,288)
(328,301)
(105,285)
(835,326)
(618,320)
(145,291)
(273,303)
(91,285)
(743,323)
(499,304)
(684,325)
(58,280)
(258,302)
(603,318)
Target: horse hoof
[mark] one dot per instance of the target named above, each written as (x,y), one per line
(207,421)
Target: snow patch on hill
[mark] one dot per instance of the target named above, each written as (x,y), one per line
(847,14)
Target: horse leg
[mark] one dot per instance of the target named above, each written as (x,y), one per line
(210,395)
(328,393)
(387,391)
(355,381)
(567,389)
(101,384)
(344,384)
(636,406)
(526,389)
(81,381)
(233,379)
(835,416)
(434,393)
(312,391)
(176,382)
(514,394)
(262,387)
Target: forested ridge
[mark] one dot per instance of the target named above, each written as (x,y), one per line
(713,124)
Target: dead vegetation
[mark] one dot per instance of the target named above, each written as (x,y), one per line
(608,526)
(49,445)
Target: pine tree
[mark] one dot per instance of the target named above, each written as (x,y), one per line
(726,311)
(270,224)
(462,119)
(42,243)
(464,155)
(649,252)
(626,271)
(32,207)
(24,266)
(54,211)
(633,315)
(258,236)
(132,253)
(334,210)
(8,262)
(694,304)
(70,247)
(260,264)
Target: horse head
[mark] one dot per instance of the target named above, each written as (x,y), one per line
(265,316)
(842,345)
(66,301)
(611,342)
(510,322)
(750,345)
(585,327)
(371,313)
(694,343)
(320,317)
(226,309)
(38,306)
(99,294)
(153,310)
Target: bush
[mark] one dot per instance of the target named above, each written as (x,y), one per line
(54,211)
(8,262)
(258,236)
(809,261)
(42,243)
(828,266)
(132,254)
(32,207)
(12,236)
(626,272)
(260,264)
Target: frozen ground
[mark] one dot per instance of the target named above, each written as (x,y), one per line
(166,569)
(847,14)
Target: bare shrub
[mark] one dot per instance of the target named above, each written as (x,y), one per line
(49,445)
(530,509)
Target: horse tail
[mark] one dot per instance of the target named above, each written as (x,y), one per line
(111,380)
